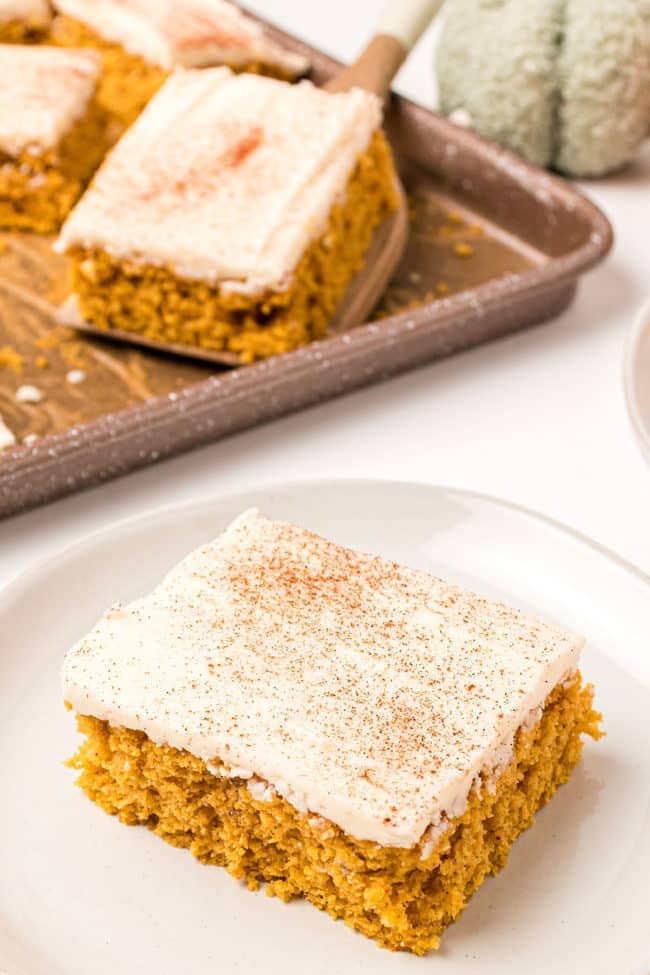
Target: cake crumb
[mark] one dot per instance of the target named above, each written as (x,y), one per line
(56,335)
(75,376)
(463,250)
(11,359)
(455,218)
(29,394)
(42,361)
(442,289)
(74,353)
(30,439)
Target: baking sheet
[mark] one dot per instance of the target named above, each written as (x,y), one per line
(496,245)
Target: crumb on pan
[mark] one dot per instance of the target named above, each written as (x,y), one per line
(463,250)
(11,359)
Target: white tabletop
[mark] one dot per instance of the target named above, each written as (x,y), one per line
(538,418)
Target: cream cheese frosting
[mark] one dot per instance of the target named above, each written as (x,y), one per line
(368,693)
(225,178)
(32,11)
(190,33)
(44,92)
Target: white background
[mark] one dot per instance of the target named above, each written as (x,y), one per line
(538,418)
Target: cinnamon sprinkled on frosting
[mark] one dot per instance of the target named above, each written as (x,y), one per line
(363,691)
(44,92)
(190,33)
(29,11)
(225,178)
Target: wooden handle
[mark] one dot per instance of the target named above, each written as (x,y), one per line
(399,29)
(406,20)
(374,69)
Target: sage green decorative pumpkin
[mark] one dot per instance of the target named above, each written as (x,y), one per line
(565,83)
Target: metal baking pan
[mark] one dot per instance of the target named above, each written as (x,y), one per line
(525,237)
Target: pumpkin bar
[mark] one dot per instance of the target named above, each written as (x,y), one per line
(52,133)
(232,215)
(329,723)
(23,21)
(141,41)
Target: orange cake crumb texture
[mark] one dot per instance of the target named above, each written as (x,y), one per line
(155,303)
(30,31)
(38,191)
(402,898)
(128,81)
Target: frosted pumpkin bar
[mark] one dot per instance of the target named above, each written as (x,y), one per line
(23,21)
(141,41)
(343,728)
(52,133)
(232,214)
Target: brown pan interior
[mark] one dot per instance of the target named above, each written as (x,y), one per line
(495,245)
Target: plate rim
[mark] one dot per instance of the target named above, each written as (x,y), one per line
(637,332)
(66,555)
(47,563)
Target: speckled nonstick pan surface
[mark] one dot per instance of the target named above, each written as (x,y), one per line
(524,236)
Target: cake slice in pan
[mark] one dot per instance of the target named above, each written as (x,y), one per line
(332,724)
(233,214)
(23,21)
(141,41)
(52,133)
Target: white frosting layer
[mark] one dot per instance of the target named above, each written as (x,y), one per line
(44,91)
(32,11)
(225,178)
(190,33)
(365,692)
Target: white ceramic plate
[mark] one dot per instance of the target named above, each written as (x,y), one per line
(80,893)
(637,379)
